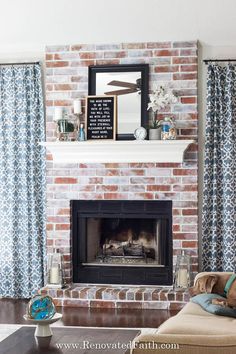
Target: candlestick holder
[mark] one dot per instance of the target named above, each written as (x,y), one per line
(55,272)
(77,112)
(77,121)
(182,272)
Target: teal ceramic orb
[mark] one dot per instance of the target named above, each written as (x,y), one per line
(41,307)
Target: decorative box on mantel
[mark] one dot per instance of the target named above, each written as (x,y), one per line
(118,151)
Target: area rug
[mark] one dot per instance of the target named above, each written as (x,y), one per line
(7,329)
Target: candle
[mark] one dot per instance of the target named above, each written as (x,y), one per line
(57,113)
(77,107)
(183,278)
(54,275)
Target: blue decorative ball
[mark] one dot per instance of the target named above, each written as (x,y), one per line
(41,307)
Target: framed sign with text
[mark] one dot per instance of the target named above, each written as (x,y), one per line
(100,121)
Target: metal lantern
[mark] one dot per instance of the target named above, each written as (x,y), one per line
(182,271)
(55,270)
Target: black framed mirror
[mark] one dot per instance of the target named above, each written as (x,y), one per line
(130,83)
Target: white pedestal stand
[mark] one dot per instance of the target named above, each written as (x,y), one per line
(43,328)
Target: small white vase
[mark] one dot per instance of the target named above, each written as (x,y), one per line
(155,134)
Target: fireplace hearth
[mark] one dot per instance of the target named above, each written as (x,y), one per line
(122,242)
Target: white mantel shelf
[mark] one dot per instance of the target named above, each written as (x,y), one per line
(117,151)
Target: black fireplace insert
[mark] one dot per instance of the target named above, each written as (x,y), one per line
(122,242)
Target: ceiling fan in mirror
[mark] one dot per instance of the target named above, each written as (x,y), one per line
(129,87)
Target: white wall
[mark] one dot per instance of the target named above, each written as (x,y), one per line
(28,25)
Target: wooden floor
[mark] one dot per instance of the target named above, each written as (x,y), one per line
(12,311)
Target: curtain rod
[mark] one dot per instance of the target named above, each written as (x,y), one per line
(23,63)
(206,61)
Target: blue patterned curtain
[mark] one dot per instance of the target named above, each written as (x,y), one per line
(219,195)
(22,181)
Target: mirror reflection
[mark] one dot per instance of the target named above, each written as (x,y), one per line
(126,85)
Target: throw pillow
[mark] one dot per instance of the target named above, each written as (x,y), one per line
(204,300)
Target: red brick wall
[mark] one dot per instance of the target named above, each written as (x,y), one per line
(171,63)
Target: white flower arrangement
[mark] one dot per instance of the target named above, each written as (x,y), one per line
(161,98)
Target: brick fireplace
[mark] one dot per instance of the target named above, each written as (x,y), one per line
(171,63)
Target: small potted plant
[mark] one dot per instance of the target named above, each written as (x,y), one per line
(155,129)
(159,99)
